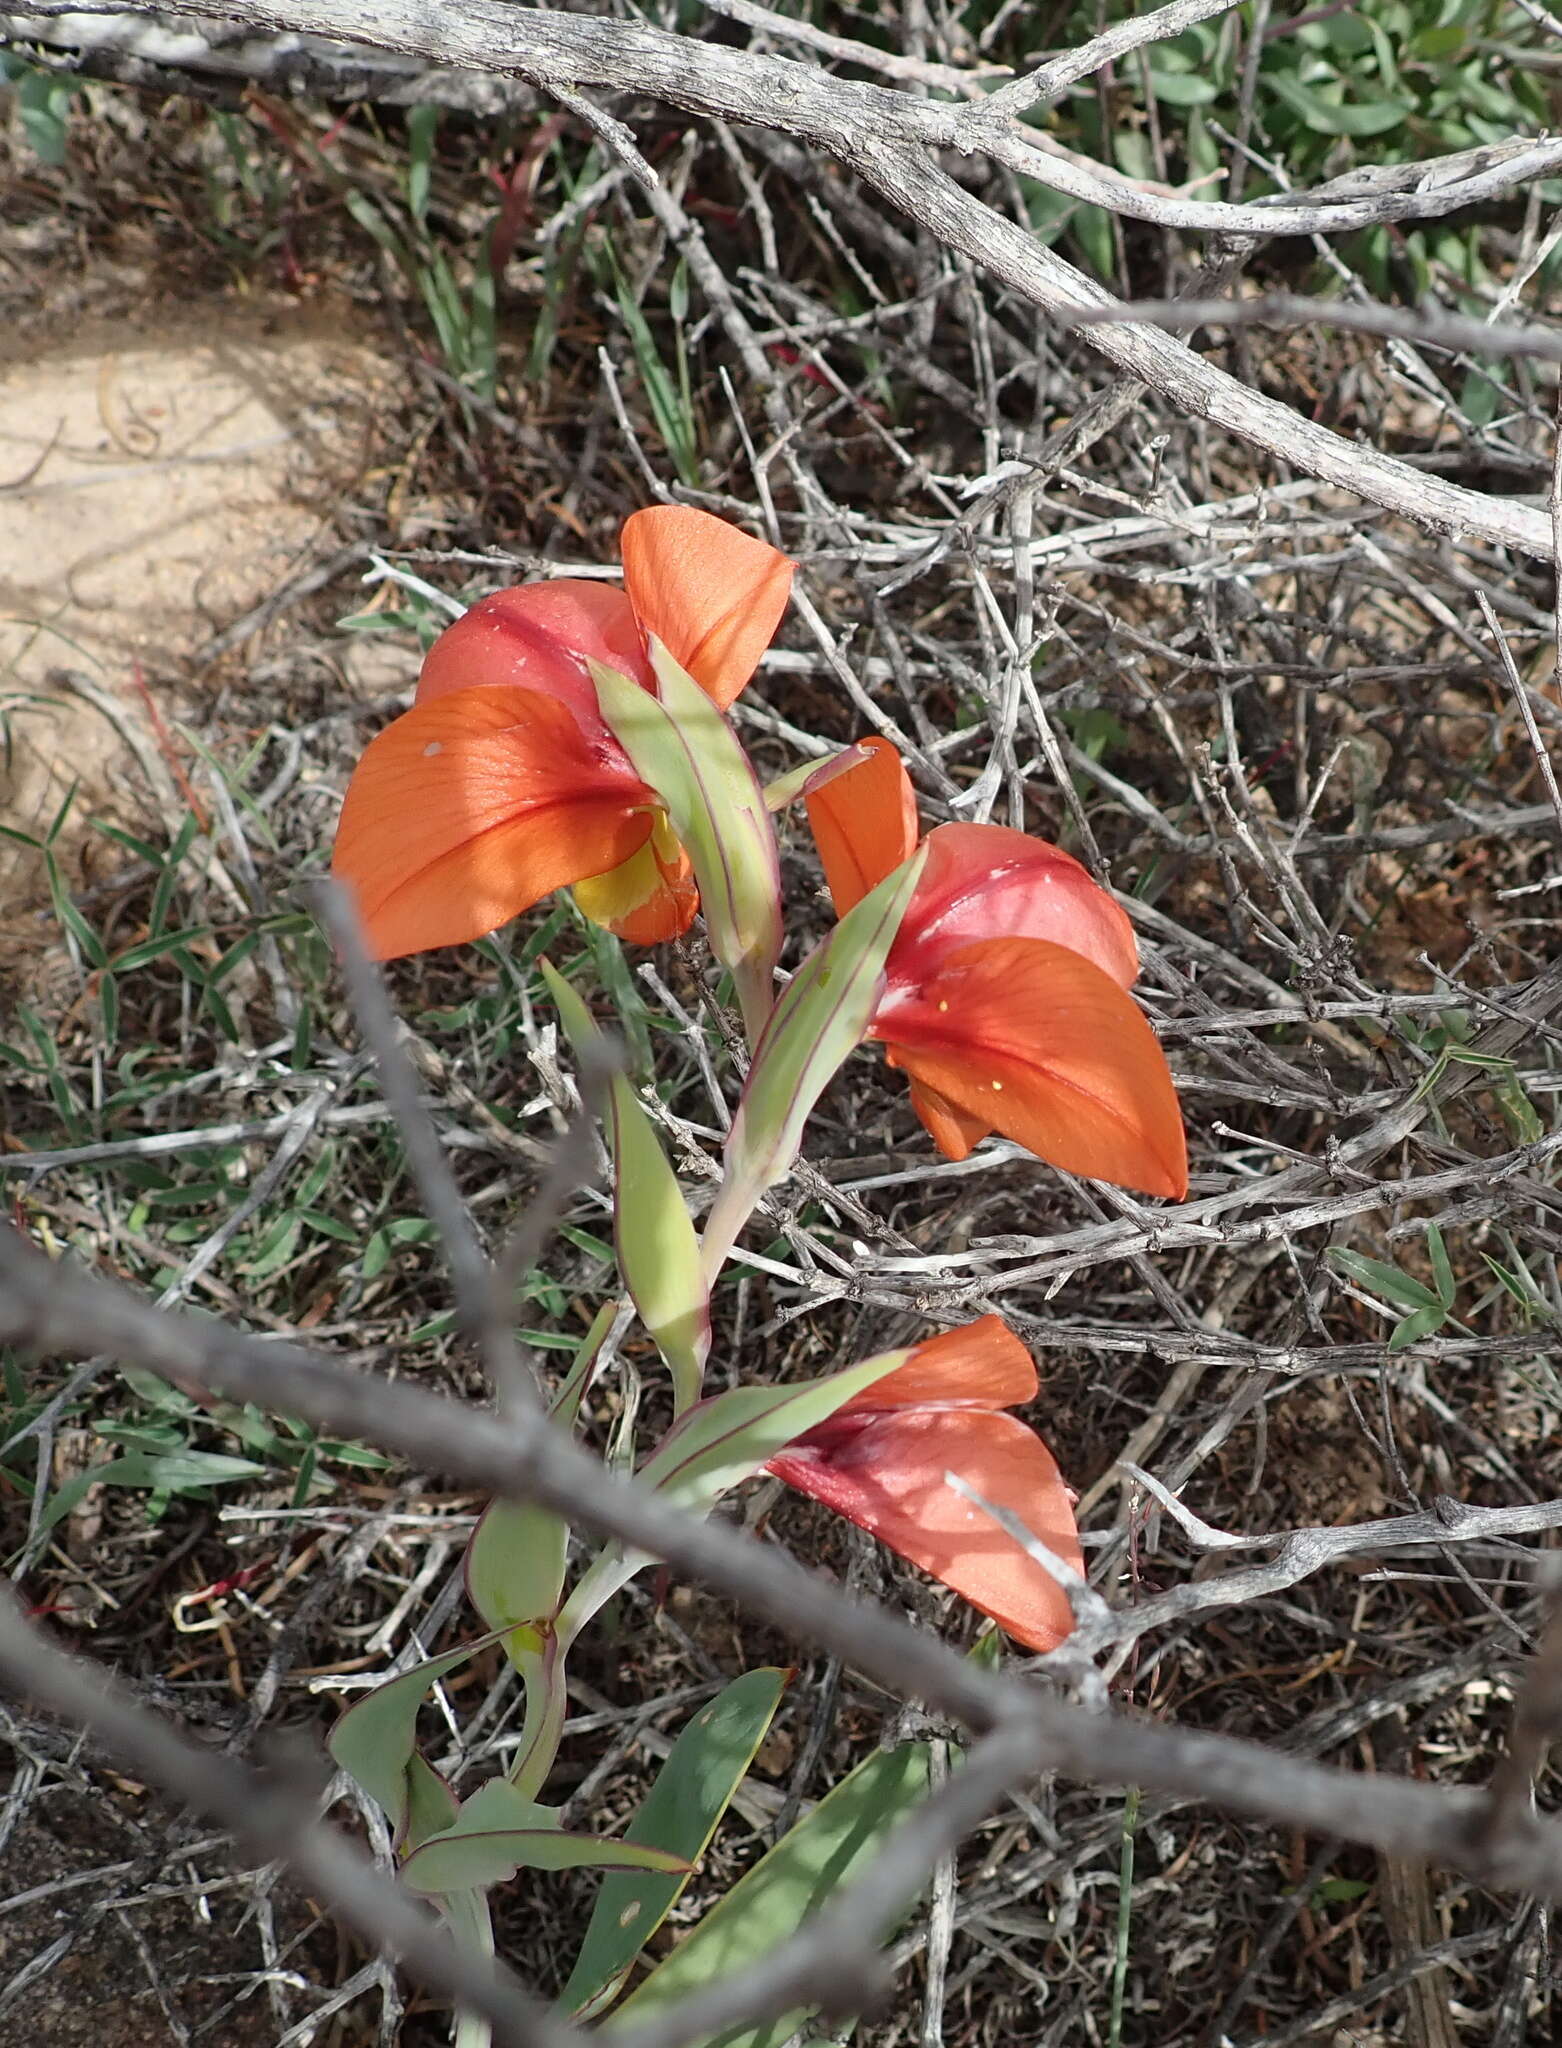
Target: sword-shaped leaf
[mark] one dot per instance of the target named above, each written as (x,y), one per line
(684,748)
(836,1843)
(823,1013)
(693,1789)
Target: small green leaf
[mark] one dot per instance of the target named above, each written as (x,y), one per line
(685,749)
(498,1832)
(823,1014)
(693,1789)
(1395,1286)
(841,1837)
(565,1406)
(1332,117)
(1442,1271)
(373,1741)
(1425,1322)
(658,1252)
(515,1563)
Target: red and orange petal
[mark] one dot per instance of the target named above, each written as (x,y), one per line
(980,1365)
(886,1473)
(1034,1040)
(539,636)
(864,824)
(464,812)
(712,594)
(650,898)
(954,1133)
(986,882)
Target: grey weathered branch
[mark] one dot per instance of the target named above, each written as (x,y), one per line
(894,143)
(53,1308)
(276,1819)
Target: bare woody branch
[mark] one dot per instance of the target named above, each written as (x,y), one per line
(893,142)
(54,1308)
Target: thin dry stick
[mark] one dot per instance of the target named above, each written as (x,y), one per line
(1537,1716)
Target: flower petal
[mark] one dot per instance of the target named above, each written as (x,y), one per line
(986,882)
(886,1474)
(1035,1039)
(539,636)
(980,1365)
(464,812)
(710,593)
(864,824)
(647,898)
(954,1133)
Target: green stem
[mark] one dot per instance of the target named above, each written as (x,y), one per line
(1125,1913)
(470,1923)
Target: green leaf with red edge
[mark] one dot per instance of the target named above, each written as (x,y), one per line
(565,1405)
(658,1252)
(374,1741)
(823,1014)
(693,1789)
(809,776)
(726,1439)
(515,1563)
(822,1855)
(681,744)
(498,1832)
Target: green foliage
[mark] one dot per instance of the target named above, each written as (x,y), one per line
(1422,1310)
(658,1252)
(43,100)
(820,1856)
(693,1789)
(1385,81)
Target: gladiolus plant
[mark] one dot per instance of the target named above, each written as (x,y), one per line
(570,734)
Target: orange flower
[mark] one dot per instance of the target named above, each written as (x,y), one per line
(504,782)
(1005,997)
(881,1459)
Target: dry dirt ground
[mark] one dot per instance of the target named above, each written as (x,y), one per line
(162,474)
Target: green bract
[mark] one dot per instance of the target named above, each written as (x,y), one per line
(824,1012)
(685,749)
(658,1253)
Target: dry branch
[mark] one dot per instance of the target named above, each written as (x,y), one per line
(895,144)
(52,1308)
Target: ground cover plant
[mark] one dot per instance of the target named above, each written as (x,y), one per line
(973,661)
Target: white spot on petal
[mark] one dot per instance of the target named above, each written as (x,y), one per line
(434,747)
(997,1087)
